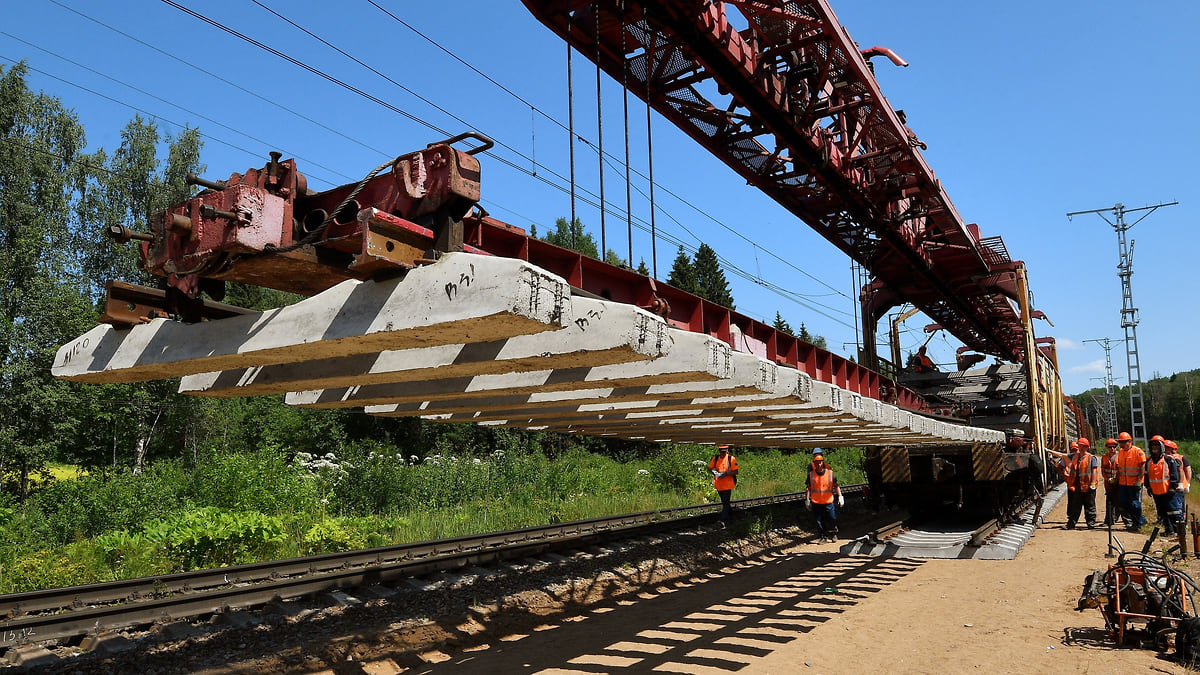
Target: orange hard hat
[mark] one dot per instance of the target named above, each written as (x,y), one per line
(1157,437)
(1172,445)
(1124,436)
(1085,443)
(1112,442)
(1074,445)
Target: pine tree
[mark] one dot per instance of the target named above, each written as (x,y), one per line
(781,324)
(710,279)
(683,273)
(642,269)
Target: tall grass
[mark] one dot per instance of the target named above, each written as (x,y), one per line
(239,508)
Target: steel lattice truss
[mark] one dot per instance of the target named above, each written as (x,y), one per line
(779,91)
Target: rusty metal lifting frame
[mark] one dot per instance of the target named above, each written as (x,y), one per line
(791,104)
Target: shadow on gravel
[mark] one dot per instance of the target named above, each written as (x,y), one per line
(722,620)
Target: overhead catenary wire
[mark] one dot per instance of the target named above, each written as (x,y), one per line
(147,113)
(171,103)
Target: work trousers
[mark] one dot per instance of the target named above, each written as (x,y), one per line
(1170,509)
(1110,505)
(1131,506)
(1078,500)
(826,516)
(726,509)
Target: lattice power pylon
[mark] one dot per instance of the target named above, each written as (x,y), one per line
(1129,313)
(1108,416)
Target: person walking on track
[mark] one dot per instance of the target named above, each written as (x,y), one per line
(823,488)
(724,468)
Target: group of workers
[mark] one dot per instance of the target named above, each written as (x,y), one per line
(823,495)
(1124,470)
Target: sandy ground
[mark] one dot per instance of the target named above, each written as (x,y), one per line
(823,613)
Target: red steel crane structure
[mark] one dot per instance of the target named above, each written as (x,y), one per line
(778,91)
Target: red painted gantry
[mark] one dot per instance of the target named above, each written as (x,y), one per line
(778,91)
(788,101)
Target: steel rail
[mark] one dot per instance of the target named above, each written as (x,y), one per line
(56,614)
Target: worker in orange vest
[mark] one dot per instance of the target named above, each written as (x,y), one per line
(1108,467)
(823,488)
(1162,480)
(921,362)
(1081,471)
(724,468)
(1185,466)
(1131,470)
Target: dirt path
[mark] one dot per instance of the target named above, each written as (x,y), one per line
(781,615)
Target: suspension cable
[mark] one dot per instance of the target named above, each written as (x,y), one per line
(600,135)
(571,125)
(625,112)
(650,149)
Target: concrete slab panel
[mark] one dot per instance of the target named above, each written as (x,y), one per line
(462,298)
(601,333)
(692,358)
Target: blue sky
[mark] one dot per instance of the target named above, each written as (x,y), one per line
(1030,110)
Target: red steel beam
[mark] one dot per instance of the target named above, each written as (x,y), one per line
(791,104)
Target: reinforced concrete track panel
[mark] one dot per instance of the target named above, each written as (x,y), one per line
(692,358)
(601,333)
(462,298)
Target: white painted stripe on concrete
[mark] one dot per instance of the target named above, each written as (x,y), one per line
(461,298)
(601,333)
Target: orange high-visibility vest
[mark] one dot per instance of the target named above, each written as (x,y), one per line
(1079,471)
(820,486)
(728,464)
(1158,475)
(1129,465)
(1108,464)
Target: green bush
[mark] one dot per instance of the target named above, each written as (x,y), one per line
(212,537)
(262,480)
(330,535)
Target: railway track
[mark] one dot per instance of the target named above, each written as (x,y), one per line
(66,614)
(978,538)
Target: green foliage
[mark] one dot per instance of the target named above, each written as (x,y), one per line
(677,469)
(262,480)
(213,537)
(1170,404)
(683,273)
(331,534)
(574,237)
(815,340)
(710,278)
(781,324)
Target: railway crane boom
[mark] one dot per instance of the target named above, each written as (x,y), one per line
(791,104)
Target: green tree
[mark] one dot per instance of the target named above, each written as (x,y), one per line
(781,324)
(683,273)
(41,306)
(642,269)
(574,237)
(710,278)
(815,340)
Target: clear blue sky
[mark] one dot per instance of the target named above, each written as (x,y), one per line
(1030,110)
